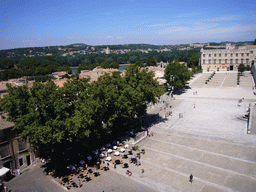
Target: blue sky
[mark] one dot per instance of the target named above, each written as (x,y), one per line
(30,23)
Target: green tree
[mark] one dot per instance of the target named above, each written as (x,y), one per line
(254,43)
(177,75)
(114,65)
(139,64)
(151,62)
(241,68)
(45,115)
(64,122)
(193,60)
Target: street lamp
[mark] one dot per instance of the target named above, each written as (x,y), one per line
(172,78)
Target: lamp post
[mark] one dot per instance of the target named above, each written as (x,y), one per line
(171,80)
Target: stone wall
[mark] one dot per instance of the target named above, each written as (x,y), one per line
(254,73)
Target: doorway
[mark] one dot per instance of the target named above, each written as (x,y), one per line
(28,159)
(231,67)
(7,164)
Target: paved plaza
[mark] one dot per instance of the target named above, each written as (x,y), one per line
(204,136)
(209,141)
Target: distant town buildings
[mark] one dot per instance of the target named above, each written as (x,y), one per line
(158,72)
(94,74)
(227,59)
(162,64)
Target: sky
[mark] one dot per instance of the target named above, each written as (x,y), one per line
(34,23)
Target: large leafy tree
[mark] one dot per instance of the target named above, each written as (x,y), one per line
(241,68)
(151,61)
(124,98)
(177,74)
(72,120)
(193,60)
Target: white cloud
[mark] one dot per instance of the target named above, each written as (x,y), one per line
(114,37)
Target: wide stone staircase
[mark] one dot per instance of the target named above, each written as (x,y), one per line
(201,80)
(246,80)
(230,80)
(217,80)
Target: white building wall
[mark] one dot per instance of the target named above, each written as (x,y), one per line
(226,59)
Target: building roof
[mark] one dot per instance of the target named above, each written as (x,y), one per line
(60,83)
(3,88)
(59,73)
(5,124)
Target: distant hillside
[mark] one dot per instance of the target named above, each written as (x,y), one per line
(82,48)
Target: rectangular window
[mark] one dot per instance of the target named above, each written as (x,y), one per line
(219,61)
(236,61)
(209,61)
(231,54)
(242,54)
(226,61)
(22,146)
(204,61)
(214,61)
(4,151)
(236,54)
(21,162)
(247,61)
(226,54)
(247,54)
(242,60)
(214,55)
(2,135)
(251,51)
(219,55)
(210,55)
(231,61)
(203,55)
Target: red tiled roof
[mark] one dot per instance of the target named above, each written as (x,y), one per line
(60,83)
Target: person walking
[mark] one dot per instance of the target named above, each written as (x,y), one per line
(191,178)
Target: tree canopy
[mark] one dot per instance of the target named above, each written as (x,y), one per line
(241,68)
(67,123)
(177,74)
(193,60)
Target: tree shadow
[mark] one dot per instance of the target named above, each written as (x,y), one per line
(181,90)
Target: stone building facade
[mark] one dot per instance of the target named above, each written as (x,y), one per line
(14,153)
(227,59)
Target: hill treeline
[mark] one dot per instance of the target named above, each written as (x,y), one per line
(42,65)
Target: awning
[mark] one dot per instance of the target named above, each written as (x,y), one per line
(3,171)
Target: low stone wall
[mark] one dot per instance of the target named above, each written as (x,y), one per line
(254,73)
(138,137)
(249,122)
